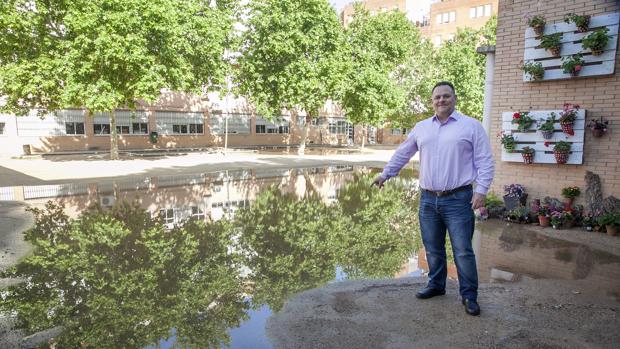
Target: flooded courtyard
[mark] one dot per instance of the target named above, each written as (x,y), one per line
(207,259)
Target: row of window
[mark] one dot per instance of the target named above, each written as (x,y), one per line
(474,12)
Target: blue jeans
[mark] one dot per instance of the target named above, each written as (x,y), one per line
(453,212)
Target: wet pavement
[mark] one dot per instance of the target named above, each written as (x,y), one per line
(213,259)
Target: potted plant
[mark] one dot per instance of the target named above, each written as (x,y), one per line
(582,22)
(610,221)
(528,154)
(523,120)
(537,23)
(598,127)
(508,141)
(552,43)
(588,222)
(547,127)
(557,219)
(542,212)
(519,215)
(535,70)
(514,196)
(569,219)
(561,151)
(568,115)
(494,206)
(570,193)
(596,41)
(572,64)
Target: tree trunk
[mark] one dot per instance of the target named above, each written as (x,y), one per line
(304,135)
(113,137)
(364,134)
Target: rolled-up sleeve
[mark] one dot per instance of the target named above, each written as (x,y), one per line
(401,156)
(483,160)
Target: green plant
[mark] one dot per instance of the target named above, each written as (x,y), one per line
(492,201)
(569,113)
(609,219)
(596,41)
(534,69)
(562,146)
(571,192)
(551,41)
(537,21)
(582,22)
(572,64)
(508,141)
(528,150)
(523,120)
(548,124)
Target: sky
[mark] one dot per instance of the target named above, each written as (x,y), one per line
(417,7)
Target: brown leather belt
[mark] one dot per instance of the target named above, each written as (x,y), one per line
(448,192)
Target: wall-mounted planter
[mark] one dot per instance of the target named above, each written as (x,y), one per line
(534,139)
(603,64)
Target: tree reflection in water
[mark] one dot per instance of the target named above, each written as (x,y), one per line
(119,278)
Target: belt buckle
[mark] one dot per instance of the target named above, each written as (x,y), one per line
(443,193)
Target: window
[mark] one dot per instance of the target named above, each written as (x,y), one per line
(338,126)
(179,123)
(452,16)
(451,36)
(400,131)
(238,123)
(446,17)
(472,12)
(2,125)
(480,11)
(198,212)
(74,128)
(487,10)
(127,123)
(277,126)
(437,40)
(167,215)
(101,129)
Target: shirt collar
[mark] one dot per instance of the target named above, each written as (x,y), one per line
(454,116)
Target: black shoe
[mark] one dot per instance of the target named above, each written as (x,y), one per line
(429,292)
(471,307)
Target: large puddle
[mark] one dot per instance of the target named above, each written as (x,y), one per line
(202,260)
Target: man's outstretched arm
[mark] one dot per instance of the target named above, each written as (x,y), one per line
(401,157)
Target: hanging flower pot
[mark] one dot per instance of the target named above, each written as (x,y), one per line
(567,127)
(528,155)
(546,134)
(598,132)
(561,157)
(555,51)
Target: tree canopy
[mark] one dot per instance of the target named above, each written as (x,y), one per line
(292,57)
(107,54)
(377,46)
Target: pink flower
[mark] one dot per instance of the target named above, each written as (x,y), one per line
(577,68)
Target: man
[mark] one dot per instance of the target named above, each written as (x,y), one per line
(454,154)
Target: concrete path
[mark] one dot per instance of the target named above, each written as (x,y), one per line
(385,314)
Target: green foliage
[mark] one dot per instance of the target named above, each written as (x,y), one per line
(562,146)
(548,124)
(551,41)
(597,40)
(382,227)
(581,22)
(293,56)
(119,279)
(493,201)
(609,219)
(572,64)
(536,21)
(288,244)
(534,69)
(378,45)
(107,54)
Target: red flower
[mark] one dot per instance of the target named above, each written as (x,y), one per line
(576,106)
(547,144)
(516,115)
(577,68)
(571,133)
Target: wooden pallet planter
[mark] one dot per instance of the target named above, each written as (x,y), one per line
(571,44)
(533,138)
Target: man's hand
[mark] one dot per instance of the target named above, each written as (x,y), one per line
(478,200)
(378,182)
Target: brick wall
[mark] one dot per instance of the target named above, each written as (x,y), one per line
(598,95)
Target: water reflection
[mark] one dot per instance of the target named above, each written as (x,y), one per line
(194,255)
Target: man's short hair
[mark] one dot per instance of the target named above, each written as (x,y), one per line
(444,83)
